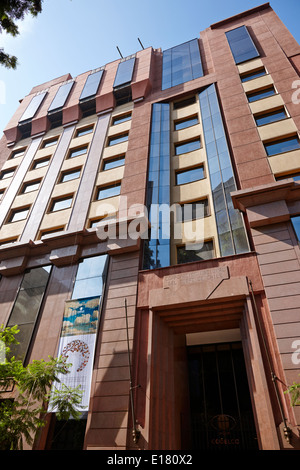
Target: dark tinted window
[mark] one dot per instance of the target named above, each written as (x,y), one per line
(192,210)
(33,107)
(124,72)
(26,308)
(189,176)
(183,103)
(241,45)
(202,251)
(91,85)
(267,118)
(281,146)
(259,95)
(61,97)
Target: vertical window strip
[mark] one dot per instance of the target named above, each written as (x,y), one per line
(230,224)
(157,247)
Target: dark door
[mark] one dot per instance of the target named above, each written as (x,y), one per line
(221,410)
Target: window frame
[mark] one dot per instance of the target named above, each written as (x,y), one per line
(15,153)
(69,172)
(277,141)
(89,129)
(177,145)
(8,171)
(207,210)
(77,149)
(258,92)
(13,212)
(211,240)
(109,160)
(125,117)
(186,120)
(107,186)
(60,199)
(50,142)
(186,170)
(112,138)
(30,183)
(244,77)
(39,161)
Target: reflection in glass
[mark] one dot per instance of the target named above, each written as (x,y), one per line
(230,225)
(181,64)
(200,252)
(124,72)
(281,146)
(241,44)
(189,176)
(33,107)
(157,249)
(90,277)
(61,97)
(26,308)
(267,118)
(91,85)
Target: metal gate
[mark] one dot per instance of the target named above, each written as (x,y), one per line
(221,410)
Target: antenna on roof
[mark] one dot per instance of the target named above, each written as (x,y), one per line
(141,43)
(119,52)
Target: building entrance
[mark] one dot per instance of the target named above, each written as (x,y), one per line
(221,410)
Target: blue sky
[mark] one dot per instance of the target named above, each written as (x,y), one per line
(74,36)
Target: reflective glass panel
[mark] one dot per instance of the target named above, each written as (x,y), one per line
(114,163)
(259,95)
(34,186)
(241,44)
(41,163)
(124,72)
(252,75)
(187,147)
(7,174)
(186,123)
(118,139)
(281,146)
(109,191)
(181,64)
(90,277)
(84,131)
(189,176)
(77,152)
(18,215)
(61,204)
(190,253)
(27,306)
(267,118)
(123,118)
(91,85)
(70,175)
(61,97)
(33,106)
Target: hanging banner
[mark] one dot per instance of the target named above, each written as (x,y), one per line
(77,345)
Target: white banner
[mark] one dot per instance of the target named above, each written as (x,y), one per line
(77,345)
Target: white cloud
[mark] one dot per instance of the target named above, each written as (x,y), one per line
(25,26)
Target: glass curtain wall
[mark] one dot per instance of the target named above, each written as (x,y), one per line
(181,64)
(157,248)
(26,308)
(230,224)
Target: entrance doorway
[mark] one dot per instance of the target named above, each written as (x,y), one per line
(221,410)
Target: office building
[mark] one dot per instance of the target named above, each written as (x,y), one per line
(149,231)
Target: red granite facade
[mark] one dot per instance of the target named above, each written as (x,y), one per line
(244,305)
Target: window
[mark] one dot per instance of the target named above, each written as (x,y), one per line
(26,308)
(18,153)
(241,44)
(84,131)
(254,74)
(184,103)
(41,163)
(259,95)
(187,122)
(114,163)
(32,108)
(90,277)
(19,214)
(70,175)
(61,203)
(95,222)
(7,174)
(123,118)
(91,85)
(189,176)
(295,176)
(78,151)
(109,191)
(268,118)
(181,64)
(117,139)
(186,147)
(192,210)
(32,186)
(51,231)
(124,73)
(61,97)
(50,142)
(296,224)
(281,146)
(195,252)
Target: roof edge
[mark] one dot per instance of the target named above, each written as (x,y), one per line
(264,6)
